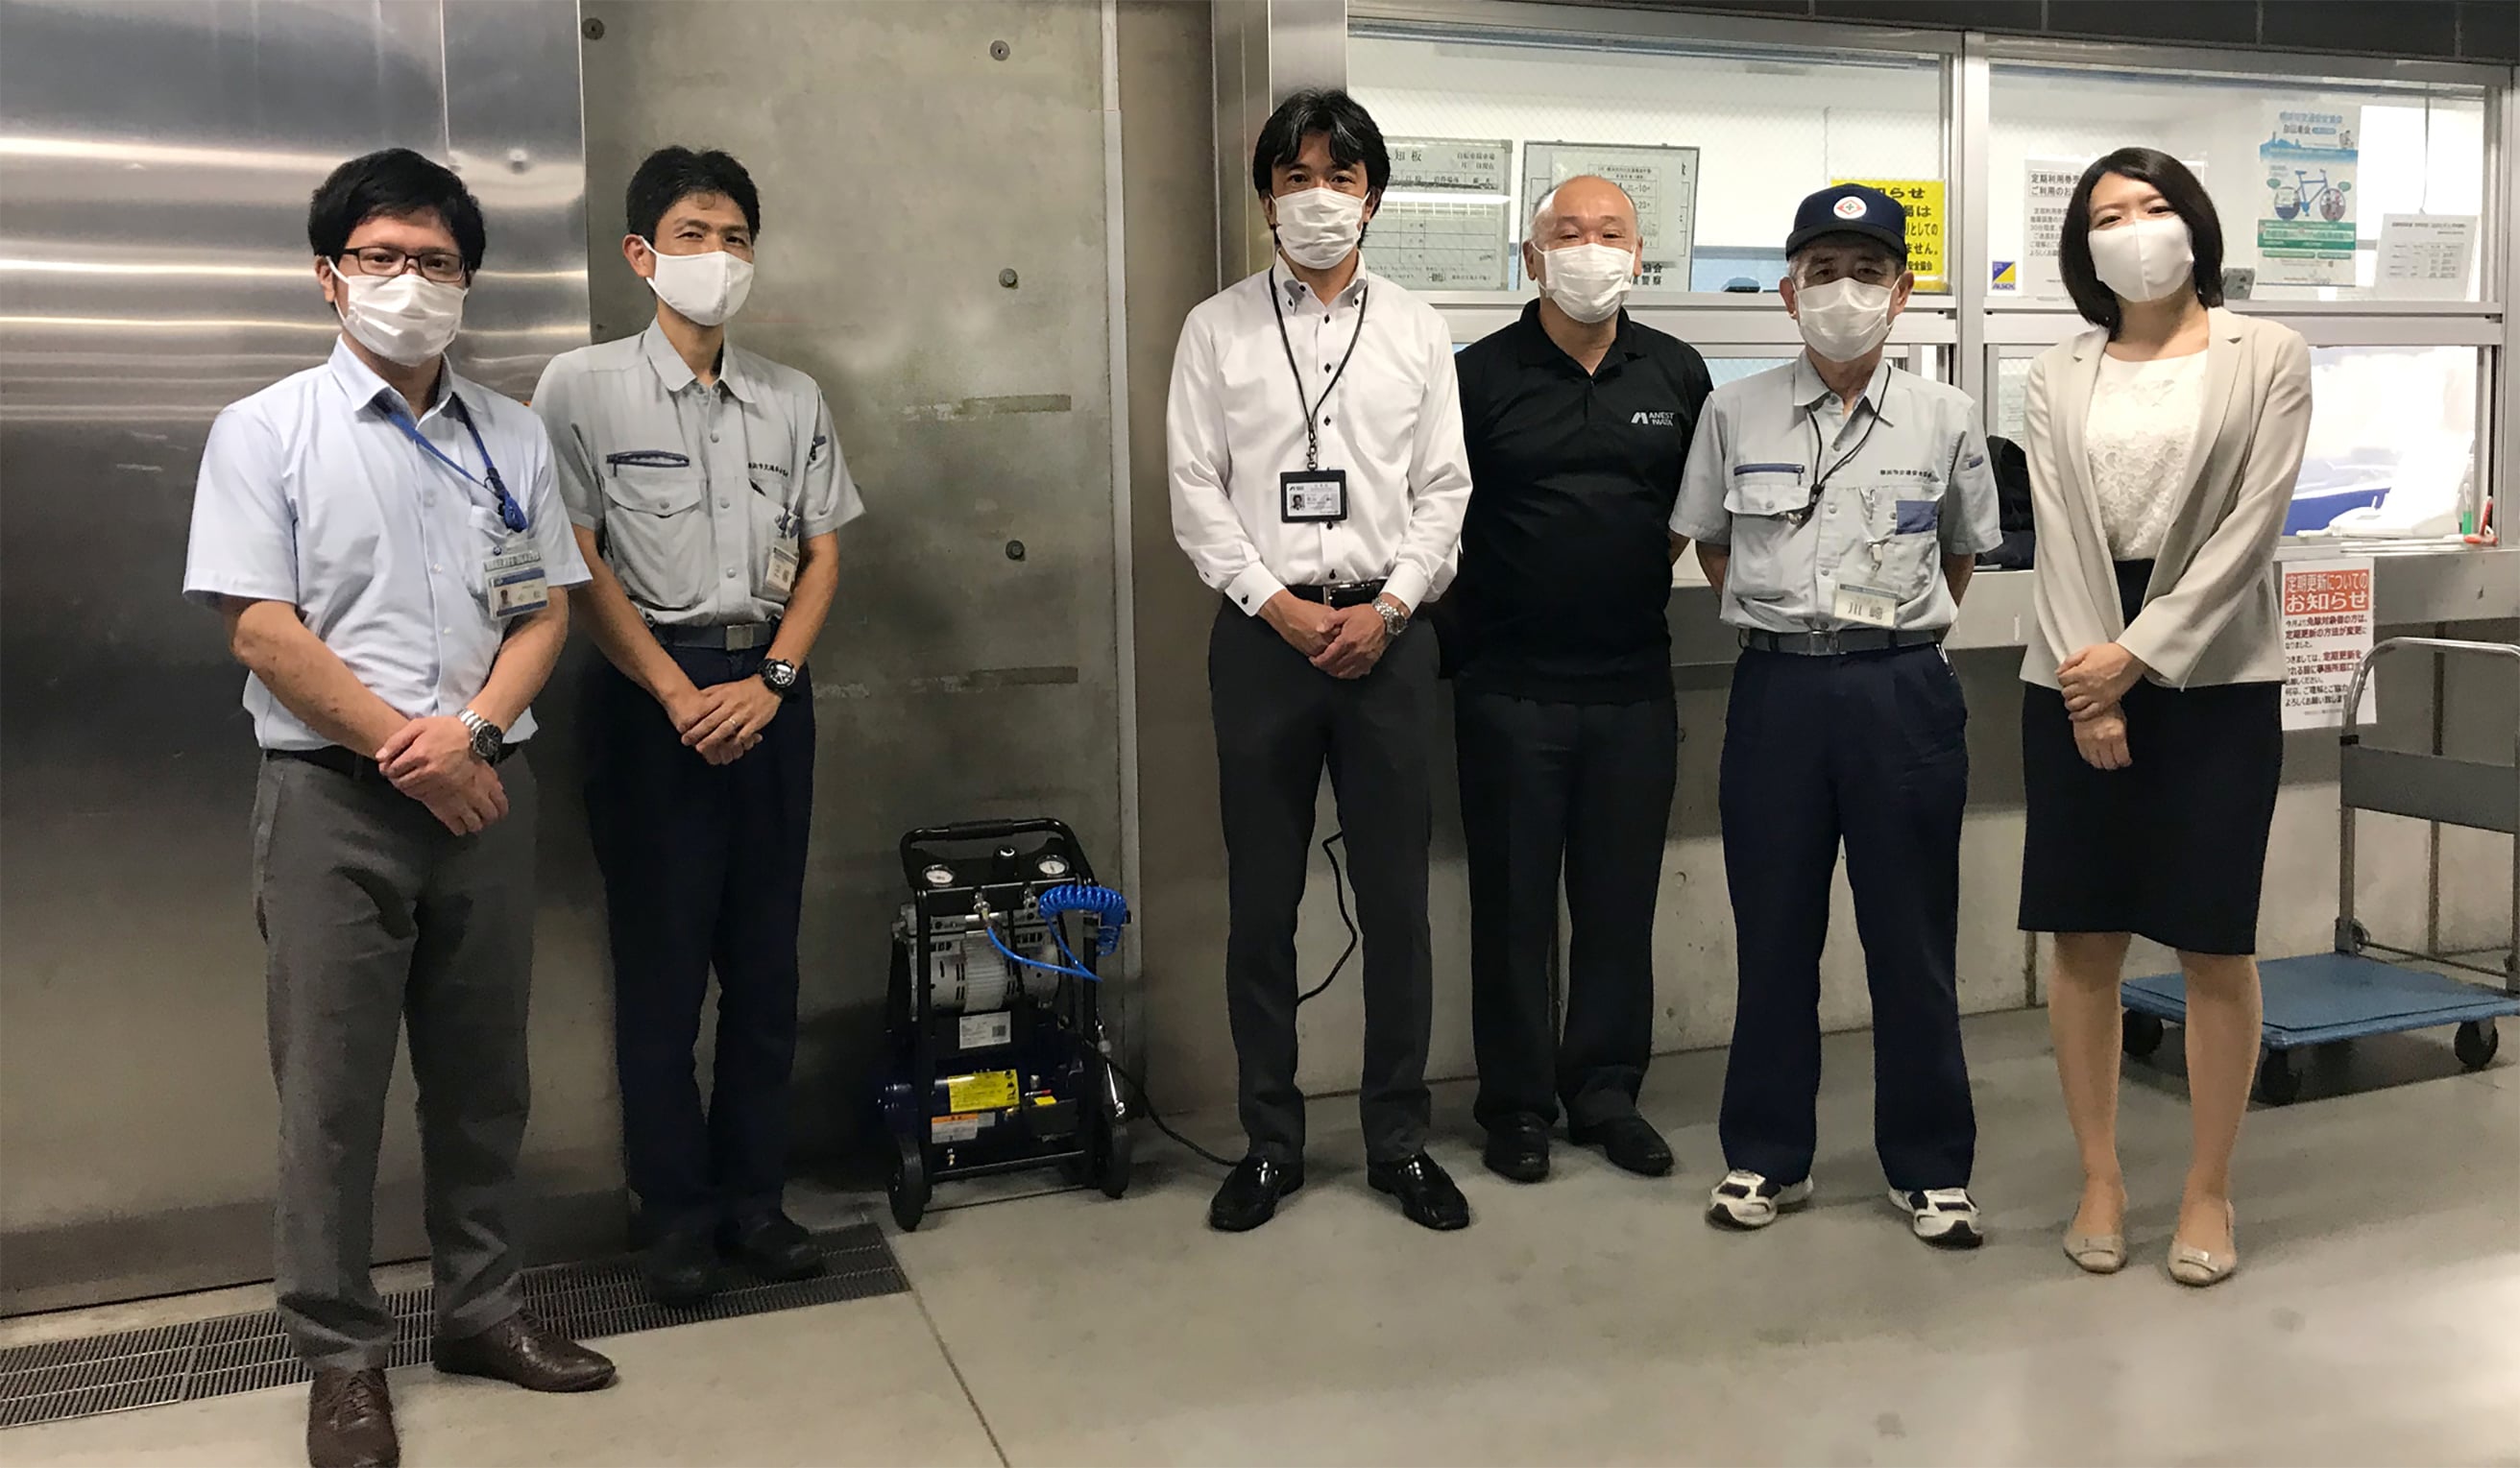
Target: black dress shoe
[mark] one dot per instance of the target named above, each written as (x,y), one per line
(1425,1192)
(1250,1194)
(773,1246)
(680,1268)
(349,1421)
(1518,1149)
(523,1351)
(1629,1141)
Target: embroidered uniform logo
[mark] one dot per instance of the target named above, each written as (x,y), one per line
(1849,208)
(814,455)
(779,469)
(1655,420)
(649,459)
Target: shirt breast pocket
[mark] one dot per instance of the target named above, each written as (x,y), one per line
(1771,556)
(654,535)
(1907,527)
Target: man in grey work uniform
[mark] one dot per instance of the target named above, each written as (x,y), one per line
(383,542)
(706,487)
(1838,504)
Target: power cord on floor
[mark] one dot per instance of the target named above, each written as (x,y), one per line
(1338,890)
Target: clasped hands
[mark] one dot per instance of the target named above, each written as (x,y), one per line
(1343,642)
(430,760)
(2094,682)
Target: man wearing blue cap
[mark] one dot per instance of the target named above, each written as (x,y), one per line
(1838,503)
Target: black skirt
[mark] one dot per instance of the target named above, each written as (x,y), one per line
(2172,848)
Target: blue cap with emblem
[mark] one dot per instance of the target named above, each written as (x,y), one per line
(1851,209)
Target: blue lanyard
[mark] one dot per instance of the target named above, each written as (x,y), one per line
(511,513)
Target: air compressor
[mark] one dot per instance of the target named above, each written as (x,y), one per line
(999,1061)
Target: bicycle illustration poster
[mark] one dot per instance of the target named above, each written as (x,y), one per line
(2305,218)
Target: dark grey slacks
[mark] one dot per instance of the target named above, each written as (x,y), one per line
(1278,720)
(374,915)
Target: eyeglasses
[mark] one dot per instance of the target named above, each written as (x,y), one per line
(444,266)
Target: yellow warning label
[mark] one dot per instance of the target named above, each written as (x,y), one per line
(986,1092)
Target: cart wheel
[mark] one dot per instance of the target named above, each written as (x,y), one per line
(1111,1160)
(2476,1042)
(2279,1083)
(2142,1034)
(908,1187)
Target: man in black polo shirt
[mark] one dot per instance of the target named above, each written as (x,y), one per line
(1578,421)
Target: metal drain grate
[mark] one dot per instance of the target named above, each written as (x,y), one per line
(134,1368)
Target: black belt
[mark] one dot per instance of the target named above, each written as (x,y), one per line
(1338,594)
(1842,640)
(340,761)
(736,637)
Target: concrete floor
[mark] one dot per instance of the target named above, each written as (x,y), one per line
(1594,1318)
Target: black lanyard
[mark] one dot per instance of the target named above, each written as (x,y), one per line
(511,513)
(1312,409)
(1820,476)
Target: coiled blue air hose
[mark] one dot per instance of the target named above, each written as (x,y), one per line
(1110,912)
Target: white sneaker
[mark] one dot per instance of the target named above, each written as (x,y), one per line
(1750,1200)
(1943,1216)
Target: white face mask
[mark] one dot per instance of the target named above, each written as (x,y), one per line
(1317,227)
(402,318)
(1844,318)
(2145,259)
(1588,281)
(708,289)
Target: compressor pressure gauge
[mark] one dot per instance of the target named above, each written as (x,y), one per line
(939,875)
(1054,866)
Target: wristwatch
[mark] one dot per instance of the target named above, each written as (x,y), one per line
(779,675)
(1394,621)
(489,741)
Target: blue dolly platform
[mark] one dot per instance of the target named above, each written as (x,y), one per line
(2324,998)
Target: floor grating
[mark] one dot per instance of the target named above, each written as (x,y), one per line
(136,1368)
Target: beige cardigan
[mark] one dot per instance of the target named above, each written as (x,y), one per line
(2211,615)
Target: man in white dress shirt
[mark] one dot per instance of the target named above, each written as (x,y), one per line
(1318,483)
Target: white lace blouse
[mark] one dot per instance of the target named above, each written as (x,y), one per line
(2139,438)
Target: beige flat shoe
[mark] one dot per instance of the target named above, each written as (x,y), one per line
(2198,1268)
(2096,1253)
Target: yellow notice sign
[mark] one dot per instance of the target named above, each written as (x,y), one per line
(988,1090)
(1922,198)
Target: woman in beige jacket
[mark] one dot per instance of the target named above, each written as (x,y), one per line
(2163,446)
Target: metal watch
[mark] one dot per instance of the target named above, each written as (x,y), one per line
(781,675)
(489,741)
(1394,621)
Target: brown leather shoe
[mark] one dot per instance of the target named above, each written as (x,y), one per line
(522,1350)
(349,1421)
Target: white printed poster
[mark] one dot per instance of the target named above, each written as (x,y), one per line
(2427,257)
(2048,183)
(1443,223)
(2305,215)
(2326,633)
(1663,181)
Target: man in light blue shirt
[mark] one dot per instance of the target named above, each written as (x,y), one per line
(1838,503)
(384,541)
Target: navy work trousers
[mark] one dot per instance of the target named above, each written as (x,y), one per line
(1869,749)
(704,869)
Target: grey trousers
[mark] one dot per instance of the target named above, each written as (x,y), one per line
(374,915)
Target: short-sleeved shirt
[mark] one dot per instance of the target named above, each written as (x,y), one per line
(311,494)
(1890,489)
(1566,580)
(689,486)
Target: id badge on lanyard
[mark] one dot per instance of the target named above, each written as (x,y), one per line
(1314,496)
(512,577)
(780,574)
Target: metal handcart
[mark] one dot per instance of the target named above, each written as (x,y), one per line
(2324,998)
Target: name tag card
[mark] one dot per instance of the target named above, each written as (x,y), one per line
(513,576)
(782,575)
(1868,605)
(1313,496)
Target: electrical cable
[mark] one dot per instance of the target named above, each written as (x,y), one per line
(1338,889)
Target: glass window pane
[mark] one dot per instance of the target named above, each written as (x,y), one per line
(2395,426)
(1769,127)
(2308,221)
